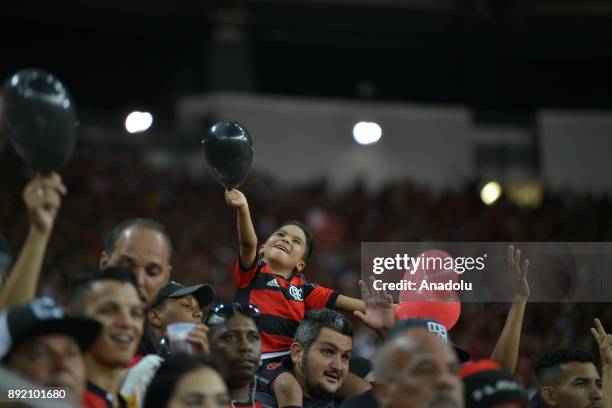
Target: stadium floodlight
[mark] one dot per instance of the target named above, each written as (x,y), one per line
(366,133)
(137,122)
(490,192)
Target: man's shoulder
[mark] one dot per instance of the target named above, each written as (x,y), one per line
(252,404)
(366,399)
(266,398)
(320,403)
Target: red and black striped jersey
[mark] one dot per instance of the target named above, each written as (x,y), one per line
(282,302)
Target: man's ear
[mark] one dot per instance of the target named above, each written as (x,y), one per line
(261,250)
(104,259)
(296,350)
(154,319)
(548,395)
(300,265)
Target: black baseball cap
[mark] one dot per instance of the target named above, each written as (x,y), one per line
(486,385)
(40,317)
(203,293)
(434,327)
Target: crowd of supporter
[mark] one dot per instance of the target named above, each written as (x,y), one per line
(106,188)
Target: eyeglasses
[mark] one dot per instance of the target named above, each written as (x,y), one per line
(224,311)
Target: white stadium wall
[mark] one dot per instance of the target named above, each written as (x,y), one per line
(577,149)
(299,139)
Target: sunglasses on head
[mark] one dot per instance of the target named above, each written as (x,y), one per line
(223,311)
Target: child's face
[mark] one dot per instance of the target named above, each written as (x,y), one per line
(286,247)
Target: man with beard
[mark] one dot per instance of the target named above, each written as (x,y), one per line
(417,369)
(235,338)
(319,359)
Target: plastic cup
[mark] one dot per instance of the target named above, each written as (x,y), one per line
(177,335)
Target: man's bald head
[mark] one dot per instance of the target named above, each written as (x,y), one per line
(142,223)
(417,369)
(144,247)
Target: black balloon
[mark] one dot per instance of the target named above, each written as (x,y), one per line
(39,119)
(229,152)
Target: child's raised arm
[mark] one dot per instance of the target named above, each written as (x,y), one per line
(246,232)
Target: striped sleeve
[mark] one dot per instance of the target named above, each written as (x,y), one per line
(318,297)
(242,275)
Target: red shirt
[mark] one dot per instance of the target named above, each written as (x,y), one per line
(282,302)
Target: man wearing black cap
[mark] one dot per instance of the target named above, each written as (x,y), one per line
(177,303)
(487,385)
(45,346)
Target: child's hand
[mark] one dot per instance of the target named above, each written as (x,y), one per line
(379,311)
(234,198)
